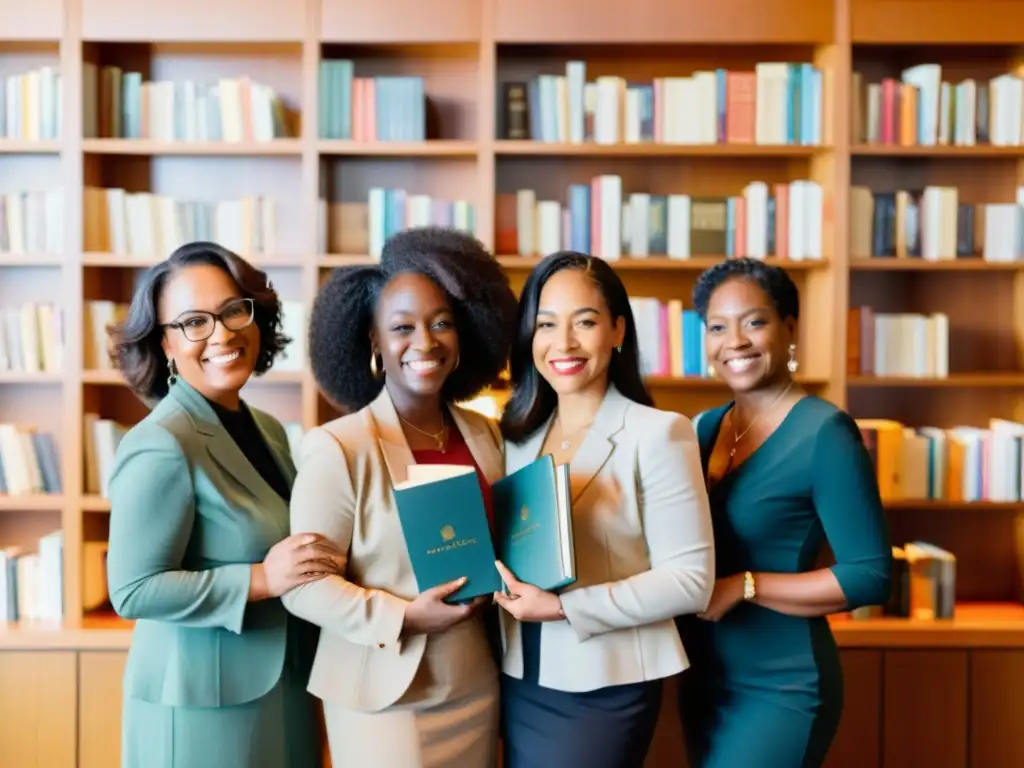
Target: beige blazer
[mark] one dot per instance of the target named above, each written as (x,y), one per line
(644,551)
(343,490)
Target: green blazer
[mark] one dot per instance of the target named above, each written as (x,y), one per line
(189,515)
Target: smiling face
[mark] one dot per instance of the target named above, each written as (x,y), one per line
(575,335)
(415,336)
(747,341)
(220,365)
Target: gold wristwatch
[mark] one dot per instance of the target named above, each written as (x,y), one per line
(749,588)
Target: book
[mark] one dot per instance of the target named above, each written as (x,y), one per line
(447,533)
(533,524)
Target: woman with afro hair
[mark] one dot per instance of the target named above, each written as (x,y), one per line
(406,679)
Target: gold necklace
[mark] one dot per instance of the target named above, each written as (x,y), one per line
(737,437)
(566,443)
(438,436)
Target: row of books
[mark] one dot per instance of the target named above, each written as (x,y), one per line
(671,338)
(919,108)
(907,344)
(31,582)
(776,103)
(923,584)
(29,461)
(389,211)
(962,463)
(381,108)
(781,220)
(99,315)
(31,105)
(32,338)
(147,225)
(32,222)
(932,224)
(122,105)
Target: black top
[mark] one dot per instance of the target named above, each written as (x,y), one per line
(241,425)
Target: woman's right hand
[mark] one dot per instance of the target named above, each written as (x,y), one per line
(296,560)
(428,613)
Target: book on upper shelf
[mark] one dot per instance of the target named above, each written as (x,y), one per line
(366,109)
(773,104)
(446,529)
(912,344)
(31,105)
(31,583)
(32,338)
(533,522)
(671,338)
(919,108)
(29,461)
(32,222)
(934,225)
(600,218)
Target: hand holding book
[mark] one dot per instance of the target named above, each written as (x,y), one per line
(429,613)
(525,601)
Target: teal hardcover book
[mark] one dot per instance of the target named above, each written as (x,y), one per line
(444,521)
(533,522)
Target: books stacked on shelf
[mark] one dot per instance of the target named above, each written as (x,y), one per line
(119,105)
(671,338)
(31,586)
(100,315)
(362,228)
(960,464)
(780,220)
(32,222)
(774,104)
(919,108)
(32,338)
(923,584)
(146,225)
(382,108)
(100,438)
(897,343)
(30,105)
(29,461)
(932,224)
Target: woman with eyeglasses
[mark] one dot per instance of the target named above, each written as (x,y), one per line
(200,552)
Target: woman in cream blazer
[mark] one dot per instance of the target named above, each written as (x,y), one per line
(407,680)
(583,669)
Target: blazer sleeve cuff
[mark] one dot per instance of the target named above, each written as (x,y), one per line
(574,606)
(235,581)
(391,617)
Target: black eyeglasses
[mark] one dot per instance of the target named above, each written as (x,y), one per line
(198,325)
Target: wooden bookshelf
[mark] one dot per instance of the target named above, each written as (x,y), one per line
(466,50)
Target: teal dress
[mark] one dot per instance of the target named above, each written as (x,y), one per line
(764,689)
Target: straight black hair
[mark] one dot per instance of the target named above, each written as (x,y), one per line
(533,400)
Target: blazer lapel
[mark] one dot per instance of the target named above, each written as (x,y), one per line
(599,443)
(397,455)
(481,443)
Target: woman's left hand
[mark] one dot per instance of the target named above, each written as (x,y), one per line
(727,593)
(526,602)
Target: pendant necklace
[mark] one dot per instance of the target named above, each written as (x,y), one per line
(438,437)
(737,437)
(566,443)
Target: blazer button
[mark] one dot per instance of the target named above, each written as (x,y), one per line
(380,645)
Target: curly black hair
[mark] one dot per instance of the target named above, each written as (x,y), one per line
(533,399)
(477,288)
(136,349)
(773,280)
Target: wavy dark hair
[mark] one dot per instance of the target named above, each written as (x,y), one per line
(533,400)
(137,350)
(477,288)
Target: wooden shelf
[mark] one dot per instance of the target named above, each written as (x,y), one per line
(641,150)
(914,264)
(944,505)
(94,503)
(147,147)
(24,377)
(432,148)
(114,260)
(98,633)
(992,379)
(31,502)
(886,150)
(974,626)
(25,147)
(30,260)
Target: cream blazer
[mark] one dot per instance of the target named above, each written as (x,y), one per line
(343,490)
(644,551)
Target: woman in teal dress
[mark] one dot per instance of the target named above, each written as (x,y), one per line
(787,472)
(200,551)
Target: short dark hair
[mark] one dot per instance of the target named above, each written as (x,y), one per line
(137,351)
(533,400)
(477,288)
(773,280)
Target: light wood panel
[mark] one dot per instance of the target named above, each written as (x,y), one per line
(221,21)
(937,21)
(100,675)
(40,20)
(403,21)
(38,709)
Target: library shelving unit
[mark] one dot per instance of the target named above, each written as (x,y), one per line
(934,692)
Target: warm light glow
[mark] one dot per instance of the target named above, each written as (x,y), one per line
(489,403)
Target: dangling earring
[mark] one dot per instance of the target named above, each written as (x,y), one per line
(375,369)
(619,349)
(792,364)
(172,372)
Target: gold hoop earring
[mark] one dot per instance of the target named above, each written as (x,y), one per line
(376,369)
(172,372)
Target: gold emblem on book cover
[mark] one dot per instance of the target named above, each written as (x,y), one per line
(448,533)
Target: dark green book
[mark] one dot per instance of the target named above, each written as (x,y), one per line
(444,521)
(533,524)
